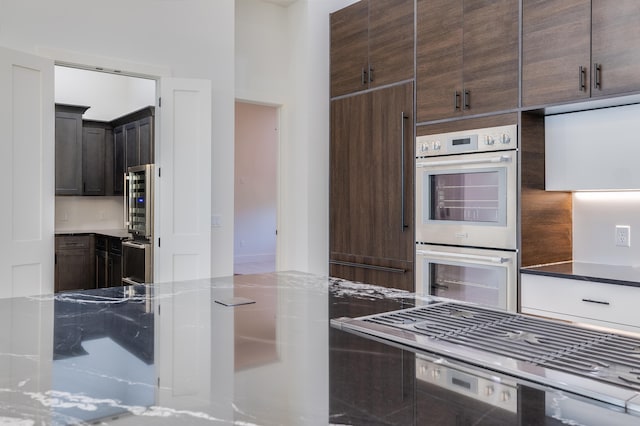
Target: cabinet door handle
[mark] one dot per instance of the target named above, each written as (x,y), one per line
(599,302)
(456,101)
(370,74)
(363,77)
(582,78)
(403,118)
(467,99)
(597,74)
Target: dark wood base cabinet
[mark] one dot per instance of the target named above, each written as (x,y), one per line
(74,262)
(371,187)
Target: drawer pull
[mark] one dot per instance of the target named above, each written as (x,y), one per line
(599,302)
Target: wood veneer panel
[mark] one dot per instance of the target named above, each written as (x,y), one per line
(545,216)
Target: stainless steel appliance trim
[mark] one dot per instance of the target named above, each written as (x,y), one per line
(147,247)
(446,163)
(463,256)
(448,338)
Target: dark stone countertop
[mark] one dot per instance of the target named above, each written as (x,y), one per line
(596,272)
(174,354)
(117,233)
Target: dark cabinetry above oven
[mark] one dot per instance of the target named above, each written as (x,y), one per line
(92,156)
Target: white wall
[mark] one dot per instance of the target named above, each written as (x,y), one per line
(109,96)
(302,88)
(89,213)
(256,152)
(595,216)
(190,38)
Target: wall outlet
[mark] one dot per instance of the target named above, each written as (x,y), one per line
(623,236)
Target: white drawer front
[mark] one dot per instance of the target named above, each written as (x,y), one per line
(611,303)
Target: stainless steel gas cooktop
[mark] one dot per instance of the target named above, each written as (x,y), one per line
(595,364)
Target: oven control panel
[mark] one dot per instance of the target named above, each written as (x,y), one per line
(479,140)
(490,390)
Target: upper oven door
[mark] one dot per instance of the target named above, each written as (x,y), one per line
(467,200)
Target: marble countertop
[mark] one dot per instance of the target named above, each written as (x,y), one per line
(245,350)
(611,274)
(117,233)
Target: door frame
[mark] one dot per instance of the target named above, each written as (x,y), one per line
(280,152)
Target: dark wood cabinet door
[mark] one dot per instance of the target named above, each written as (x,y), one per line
(490,55)
(74,263)
(109,166)
(439,59)
(349,48)
(386,215)
(371,190)
(145,140)
(615,46)
(115,270)
(119,162)
(391,41)
(556,50)
(68,152)
(350,118)
(93,160)
(132,144)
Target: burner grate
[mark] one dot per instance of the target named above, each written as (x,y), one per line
(596,354)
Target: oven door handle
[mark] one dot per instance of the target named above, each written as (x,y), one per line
(490,259)
(130,281)
(135,245)
(488,160)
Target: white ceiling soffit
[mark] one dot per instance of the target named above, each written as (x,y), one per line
(283,3)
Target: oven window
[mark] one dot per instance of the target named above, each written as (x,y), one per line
(476,284)
(134,264)
(475,196)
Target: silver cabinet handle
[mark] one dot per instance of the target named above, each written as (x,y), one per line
(490,160)
(490,259)
(597,74)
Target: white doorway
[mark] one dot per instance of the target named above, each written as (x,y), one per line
(255,204)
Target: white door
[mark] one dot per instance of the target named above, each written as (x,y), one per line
(26,174)
(183,203)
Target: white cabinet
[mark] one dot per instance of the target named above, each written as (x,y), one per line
(593,150)
(606,305)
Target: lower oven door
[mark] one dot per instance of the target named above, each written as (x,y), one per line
(137,262)
(486,277)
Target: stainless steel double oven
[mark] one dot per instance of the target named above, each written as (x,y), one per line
(466,216)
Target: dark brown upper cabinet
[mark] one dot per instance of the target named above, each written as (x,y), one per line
(577,49)
(68,149)
(466,57)
(94,157)
(372,45)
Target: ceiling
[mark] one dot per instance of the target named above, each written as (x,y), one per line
(283,3)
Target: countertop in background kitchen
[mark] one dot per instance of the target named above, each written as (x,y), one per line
(177,353)
(596,272)
(117,233)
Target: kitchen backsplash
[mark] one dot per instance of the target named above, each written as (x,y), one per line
(89,213)
(595,216)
